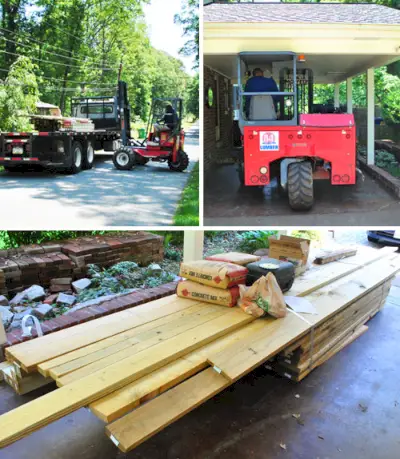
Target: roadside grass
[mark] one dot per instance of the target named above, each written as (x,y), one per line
(187,213)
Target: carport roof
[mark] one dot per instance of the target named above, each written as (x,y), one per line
(323,13)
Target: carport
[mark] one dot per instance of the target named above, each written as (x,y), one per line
(338,41)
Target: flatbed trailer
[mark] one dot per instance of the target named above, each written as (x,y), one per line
(68,149)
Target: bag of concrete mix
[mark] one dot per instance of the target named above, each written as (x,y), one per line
(199,292)
(263,297)
(236,258)
(217,274)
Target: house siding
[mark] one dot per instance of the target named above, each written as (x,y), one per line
(217,150)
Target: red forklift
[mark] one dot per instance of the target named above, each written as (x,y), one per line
(296,141)
(167,145)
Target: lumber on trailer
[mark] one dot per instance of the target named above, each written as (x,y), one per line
(133,429)
(334,256)
(238,359)
(30,417)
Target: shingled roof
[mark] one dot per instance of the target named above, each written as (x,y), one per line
(323,13)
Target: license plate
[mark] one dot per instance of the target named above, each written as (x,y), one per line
(18,150)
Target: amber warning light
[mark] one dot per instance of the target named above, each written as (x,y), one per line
(301,58)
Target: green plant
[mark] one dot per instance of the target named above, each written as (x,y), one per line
(250,241)
(187,213)
(173,254)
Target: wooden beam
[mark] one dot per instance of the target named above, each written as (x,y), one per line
(136,427)
(27,418)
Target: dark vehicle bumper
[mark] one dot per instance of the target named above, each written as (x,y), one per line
(384,238)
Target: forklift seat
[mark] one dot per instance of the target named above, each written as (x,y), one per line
(262,108)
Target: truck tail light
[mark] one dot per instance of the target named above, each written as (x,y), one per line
(263,170)
(254,179)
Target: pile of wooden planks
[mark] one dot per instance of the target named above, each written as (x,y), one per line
(176,353)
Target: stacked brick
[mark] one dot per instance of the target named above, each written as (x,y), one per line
(21,271)
(38,264)
(105,251)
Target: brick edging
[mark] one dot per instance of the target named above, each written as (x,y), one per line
(94,312)
(385,178)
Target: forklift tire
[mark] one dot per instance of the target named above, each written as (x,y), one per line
(88,157)
(77,158)
(181,164)
(300,185)
(124,159)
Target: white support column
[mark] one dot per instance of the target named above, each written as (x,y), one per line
(349,91)
(371,116)
(337,95)
(193,244)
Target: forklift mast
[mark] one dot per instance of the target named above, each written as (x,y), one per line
(124,111)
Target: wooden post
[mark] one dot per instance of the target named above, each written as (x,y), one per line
(371,116)
(193,244)
(349,88)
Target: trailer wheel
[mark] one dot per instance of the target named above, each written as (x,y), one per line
(181,164)
(88,157)
(124,159)
(77,158)
(300,185)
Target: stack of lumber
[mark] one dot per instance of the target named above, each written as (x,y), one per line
(21,270)
(175,353)
(105,251)
(48,123)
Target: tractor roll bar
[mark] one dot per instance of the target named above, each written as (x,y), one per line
(242,93)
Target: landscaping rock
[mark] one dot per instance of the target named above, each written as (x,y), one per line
(155,268)
(58,288)
(15,324)
(6,316)
(3,301)
(99,300)
(19,309)
(61,281)
(69,300)
(81,284)
(261,252)
(34,293)
(51,299)
(42,310)
(21,315)
(18,298)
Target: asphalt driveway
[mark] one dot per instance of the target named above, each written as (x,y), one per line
(101,197)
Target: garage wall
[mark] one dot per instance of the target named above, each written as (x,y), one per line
(217,119)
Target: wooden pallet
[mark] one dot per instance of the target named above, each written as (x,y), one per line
(177,349)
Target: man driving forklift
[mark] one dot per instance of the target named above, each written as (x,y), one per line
(167,123)
(261,107)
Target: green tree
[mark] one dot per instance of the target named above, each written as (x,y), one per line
(189,19)
(18,96)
